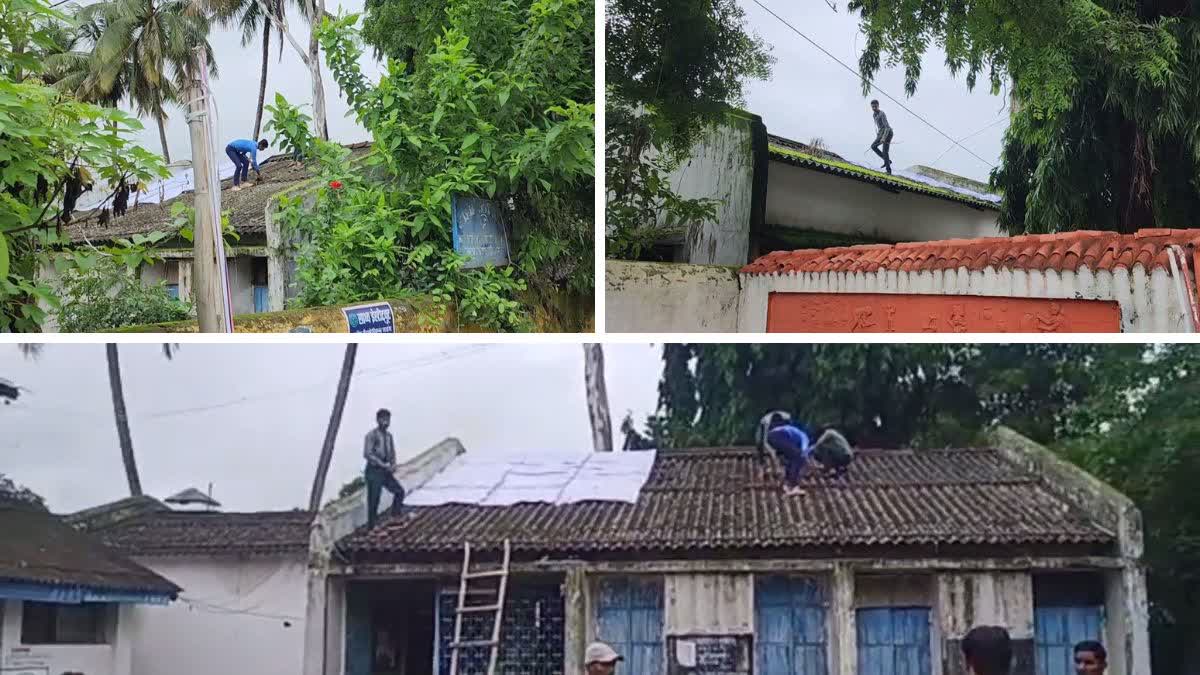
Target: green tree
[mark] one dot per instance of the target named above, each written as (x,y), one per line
(1104,130)
(146,47)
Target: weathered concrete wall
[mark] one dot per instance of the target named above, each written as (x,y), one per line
(1148,301)
(804,198)
(967,600)
(419,315)
(670,298)
(709,604)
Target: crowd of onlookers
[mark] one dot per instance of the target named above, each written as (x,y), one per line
(987,650)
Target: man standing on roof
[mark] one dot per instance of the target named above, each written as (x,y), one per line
(237,151)
(883,136)
(380,453)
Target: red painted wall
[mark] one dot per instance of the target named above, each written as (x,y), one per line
(888,313)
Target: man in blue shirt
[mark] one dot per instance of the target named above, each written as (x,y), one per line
(788,440)
(237,151)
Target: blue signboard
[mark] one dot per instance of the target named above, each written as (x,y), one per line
(479,231)
(374,318)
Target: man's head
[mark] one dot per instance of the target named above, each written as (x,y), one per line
(987,650)
(875,104)
(262,144)
(1090,658)
(383,418)
(600,659)
(777,418)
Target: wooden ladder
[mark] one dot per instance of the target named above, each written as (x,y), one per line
(458,645)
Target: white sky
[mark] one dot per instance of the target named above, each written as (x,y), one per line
(260,453)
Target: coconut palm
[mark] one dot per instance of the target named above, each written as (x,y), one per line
(117,391)
(144,48)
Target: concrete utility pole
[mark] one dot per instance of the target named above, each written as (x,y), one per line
(208,291)
(597,397)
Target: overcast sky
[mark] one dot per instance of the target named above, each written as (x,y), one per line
(811,96)
(251,418)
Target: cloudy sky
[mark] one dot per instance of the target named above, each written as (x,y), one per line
(250,418)
(811,96)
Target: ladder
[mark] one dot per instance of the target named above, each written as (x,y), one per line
(469,575)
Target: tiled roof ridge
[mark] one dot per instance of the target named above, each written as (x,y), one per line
(1063,251)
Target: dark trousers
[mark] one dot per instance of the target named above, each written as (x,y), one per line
(241,164)
(793,461)
(884,139)
(376,480)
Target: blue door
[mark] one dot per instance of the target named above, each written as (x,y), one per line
(629,616)
(1058,630)
(260,299)
(893,641)
(789,631)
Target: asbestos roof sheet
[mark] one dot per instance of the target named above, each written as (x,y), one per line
(210,533)
(1066,251)
(726,498)
(499,480)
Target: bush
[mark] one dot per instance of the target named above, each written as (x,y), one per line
(108,295)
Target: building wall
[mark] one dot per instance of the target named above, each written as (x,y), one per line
(102,659)
(645,297)
(809,199)
(234,616)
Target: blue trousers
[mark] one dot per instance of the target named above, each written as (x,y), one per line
(794,459)
(241,164)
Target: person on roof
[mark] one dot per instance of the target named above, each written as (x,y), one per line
(833,452)
(788,440)
(380,453)
(883,136)
(238,151)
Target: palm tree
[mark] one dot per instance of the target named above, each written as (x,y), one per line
(335,423)
(118,400)
(597,397)
(145,49)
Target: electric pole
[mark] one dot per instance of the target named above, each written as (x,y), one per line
(597,397)
(208,288)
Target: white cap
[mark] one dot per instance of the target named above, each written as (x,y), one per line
(598,652)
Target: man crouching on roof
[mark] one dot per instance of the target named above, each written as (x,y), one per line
(789,440)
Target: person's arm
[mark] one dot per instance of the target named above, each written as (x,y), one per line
(370,453)
(254,159)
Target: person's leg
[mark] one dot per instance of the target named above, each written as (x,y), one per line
(244,166)
(373,487)
(887,151)
(875,148)
(795,468)
(236,158)
(393,486)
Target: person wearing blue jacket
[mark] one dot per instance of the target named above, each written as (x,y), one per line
(238,151)
(778,434)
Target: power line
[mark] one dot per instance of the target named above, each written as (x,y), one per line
(870,83)
(998,120)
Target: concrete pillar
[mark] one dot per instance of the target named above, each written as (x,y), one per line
(1127,630)
(316,661)
(575,623)
(843,657)
(126,616)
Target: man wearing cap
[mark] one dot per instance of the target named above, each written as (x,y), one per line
(600,659)
(380,453)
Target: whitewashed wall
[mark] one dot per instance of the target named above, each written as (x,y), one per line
(1149,301)
(670,298)
(230,618)
(805,198)
(103,659)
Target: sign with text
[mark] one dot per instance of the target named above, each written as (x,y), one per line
(373,318)
(710,655)
(479,231)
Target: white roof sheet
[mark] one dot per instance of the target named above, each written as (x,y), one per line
(557,478)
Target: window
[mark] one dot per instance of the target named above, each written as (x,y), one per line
(893,640)
(629,616)
(789,626)
(173,291)
(44,623)
(258,278)
(1068,608)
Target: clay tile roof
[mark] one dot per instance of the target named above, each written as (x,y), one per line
(211,532)
(38,547)
(1066,251)
(727,499)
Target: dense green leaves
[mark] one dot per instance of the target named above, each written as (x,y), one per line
(109,295)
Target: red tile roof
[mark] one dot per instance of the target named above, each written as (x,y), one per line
(211,533)
(1066,251)
(727,499)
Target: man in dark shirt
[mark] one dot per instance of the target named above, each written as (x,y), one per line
(883,136)
(987,650)
(380,453)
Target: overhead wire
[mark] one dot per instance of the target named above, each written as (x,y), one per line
(870,83)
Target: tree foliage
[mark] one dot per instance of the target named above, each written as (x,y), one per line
(662,92)
(1105,132)
(500,107)
(107,296)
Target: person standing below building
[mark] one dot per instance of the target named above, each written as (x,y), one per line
(600,659)
(238,151)
(987,650)
(1090,658)
(380,453)
(883,136)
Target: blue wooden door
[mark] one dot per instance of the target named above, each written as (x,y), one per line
(1058,630)
(789,626)
(893,641)
(260,298)
(360,642)
(629,616)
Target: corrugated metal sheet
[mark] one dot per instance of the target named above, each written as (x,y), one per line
(894,641)
(709,604)
(629,617)
(74,595)
(791,633)
(1059,629)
